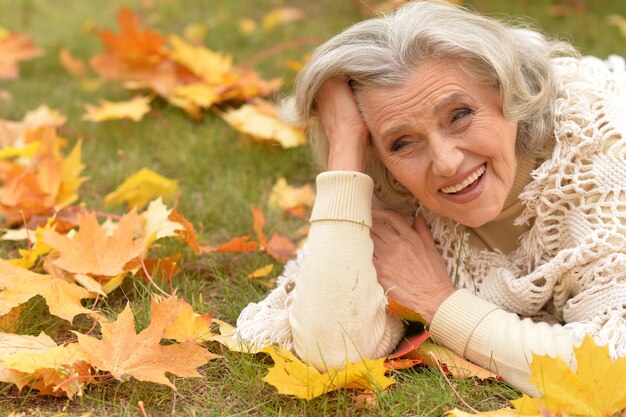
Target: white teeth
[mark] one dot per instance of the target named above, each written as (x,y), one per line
(467,181)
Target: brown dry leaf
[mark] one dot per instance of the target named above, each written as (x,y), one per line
(291,376)
(296,201)
(187,324)
(399,360)
(166,267)
(73,65)
(133,109)
(8,322)
(124,353)
(94,252)
(450,362)
(15,48)
(260,122)
(19,285)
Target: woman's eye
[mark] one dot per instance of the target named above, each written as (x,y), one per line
(459,114)
(398,144)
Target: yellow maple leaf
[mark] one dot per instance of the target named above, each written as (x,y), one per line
(261,122)
(19,285)
(291,376)
(198,94)
(213,67)
(502,412)
(290,199)
(124,353)
(596,389)
(281,16)
(158,223)
(133,109)
(71,167)
(227,338)
(142,187)
(38,248)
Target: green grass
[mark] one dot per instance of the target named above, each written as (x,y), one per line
(220,176)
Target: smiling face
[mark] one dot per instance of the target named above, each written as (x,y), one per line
(444,137)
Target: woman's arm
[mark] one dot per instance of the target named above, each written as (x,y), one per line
(338,309)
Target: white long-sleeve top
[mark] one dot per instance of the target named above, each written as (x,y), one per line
(570,264)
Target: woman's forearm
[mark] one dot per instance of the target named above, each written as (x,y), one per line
(498,340)
(338,308)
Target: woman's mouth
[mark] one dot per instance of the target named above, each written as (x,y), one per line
(468,184)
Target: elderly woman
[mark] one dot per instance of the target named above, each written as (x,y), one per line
(497,167)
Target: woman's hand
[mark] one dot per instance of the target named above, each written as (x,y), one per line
(408,264)
(346,131)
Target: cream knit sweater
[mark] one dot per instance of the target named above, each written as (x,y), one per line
(569,267)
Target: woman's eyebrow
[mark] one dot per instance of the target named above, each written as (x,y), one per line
(452,98)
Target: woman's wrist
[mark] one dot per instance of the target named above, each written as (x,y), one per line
(437,299)
(346,157)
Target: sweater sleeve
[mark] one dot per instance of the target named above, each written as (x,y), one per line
(337,308)
(498,340)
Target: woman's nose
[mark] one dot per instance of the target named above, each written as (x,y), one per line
(446,157)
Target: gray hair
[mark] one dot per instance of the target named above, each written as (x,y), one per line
(383,51)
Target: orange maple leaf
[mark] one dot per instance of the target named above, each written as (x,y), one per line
(124,353)
(188,234)
(133,53)
(13,49)
(93,251)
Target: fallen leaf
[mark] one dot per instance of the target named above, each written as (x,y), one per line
(280,248)
(596,389)
(158,223)
(281,16)
(261,272)
(73,65)
(195,32)
(133,53)
(93,252)
(19,285)
(296,201)
(142,187)
(227,338)
(214,68)
(404,312)
(44,116)
(124,353)
(291,376)
(237,244)
(187,233)
(133,109)
(15,48)
(263,125)
(247,26)
(9,321)
(619,21)
(187,324)
(53,371)
(450,362)
(503,412)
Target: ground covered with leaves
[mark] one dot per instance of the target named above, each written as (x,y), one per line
(148,192)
